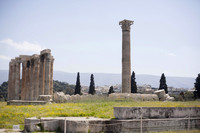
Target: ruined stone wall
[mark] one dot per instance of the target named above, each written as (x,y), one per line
(37,76)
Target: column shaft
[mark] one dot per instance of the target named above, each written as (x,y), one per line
(27,97)
(13,81)
(47,75)
(17,80)
(23,90)
(126,63)
(51,77)
(9,81)
(36,81)
(41,75)
(31,88)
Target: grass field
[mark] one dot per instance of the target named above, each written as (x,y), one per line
(11,115)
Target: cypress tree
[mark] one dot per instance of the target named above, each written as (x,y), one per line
(111,90)
(133,83)
(163,84)
(197,87)
(78,85)
(92,86)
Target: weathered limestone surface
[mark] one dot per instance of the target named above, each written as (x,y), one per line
(135,97)
(37,76)
(155,112)
(97,125)
(60,97)
(47,98)
(25,102)
(162,96)
(126,58)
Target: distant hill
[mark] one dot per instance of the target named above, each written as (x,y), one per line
(102,79)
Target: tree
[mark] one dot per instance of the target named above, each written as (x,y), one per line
(197,87)
(78,85)
(111,90)
(163,84)
(133,83)
(92,86)
(4,91)
(64,87)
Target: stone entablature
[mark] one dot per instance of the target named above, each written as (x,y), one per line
(37,76)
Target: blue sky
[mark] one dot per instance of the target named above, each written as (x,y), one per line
(85,36)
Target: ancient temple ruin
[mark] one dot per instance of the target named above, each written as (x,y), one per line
(35,78)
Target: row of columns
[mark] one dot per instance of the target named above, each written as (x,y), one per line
(37,76)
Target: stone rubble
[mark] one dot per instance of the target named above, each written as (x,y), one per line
(162,96)
(60,97)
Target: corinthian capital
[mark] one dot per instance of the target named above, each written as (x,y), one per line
(126,24)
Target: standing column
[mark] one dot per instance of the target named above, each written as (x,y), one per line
(13,80)
(27,97)
(47,74)
(41,75)
(36,78)
(9,81)
(51,76)
(23,90)
(126,58)
(31,88)
(17,79)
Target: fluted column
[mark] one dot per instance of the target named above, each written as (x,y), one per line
(23,89)
(27,97)
(36,78)
(126,58)
(17,79)
(41,75)
(51,76)
(31,88)
(47,74)
(9,81)
(13,80)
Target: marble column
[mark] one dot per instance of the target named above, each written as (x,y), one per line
(47,74)
(9,81)
(17,78)
(31,88)
(51,76)
(41,75)
(36,78)
(126,58)
(13,80)
(27,97)
(23,89)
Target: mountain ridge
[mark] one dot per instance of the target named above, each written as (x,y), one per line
(102,79)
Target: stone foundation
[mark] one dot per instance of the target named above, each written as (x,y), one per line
(96,125)
(22,102)
(127,119)
(156,112)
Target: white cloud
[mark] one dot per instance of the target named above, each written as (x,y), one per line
(23,46)
(171,54)
(3,57)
